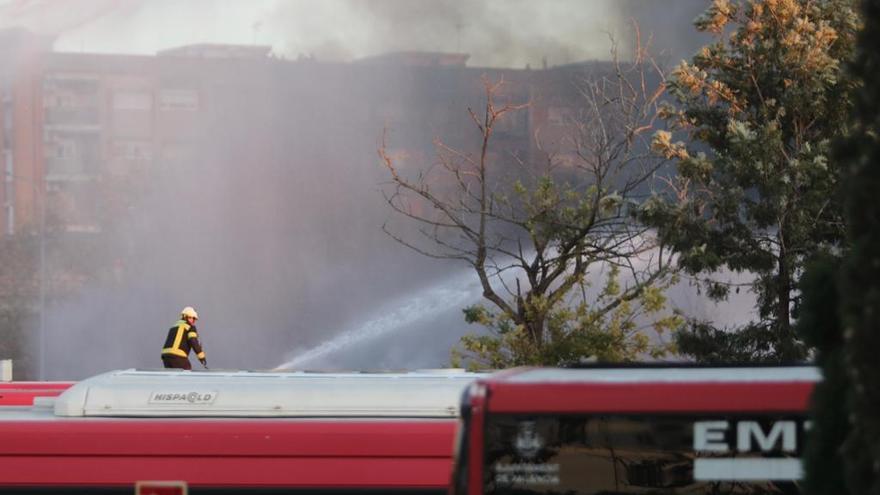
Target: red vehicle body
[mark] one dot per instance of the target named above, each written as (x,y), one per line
(314,449)
(634,430)
(23,393)
(414,456)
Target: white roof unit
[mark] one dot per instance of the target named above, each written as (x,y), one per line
(265,394)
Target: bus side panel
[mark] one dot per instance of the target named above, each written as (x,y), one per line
(219,437)
(649,397)
(290,453)
(333,472)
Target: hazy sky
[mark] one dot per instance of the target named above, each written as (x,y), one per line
(509,33)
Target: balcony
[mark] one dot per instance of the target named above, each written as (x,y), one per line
(71,156)
(83,118)
(71,104)
(61,170)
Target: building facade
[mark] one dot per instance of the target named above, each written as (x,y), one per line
(83,134)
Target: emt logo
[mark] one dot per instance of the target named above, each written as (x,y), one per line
(748,450)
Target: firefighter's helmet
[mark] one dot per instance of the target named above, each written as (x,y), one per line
(189,311)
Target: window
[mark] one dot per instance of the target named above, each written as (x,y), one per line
(133,150)
(179,99)
(595,454)
(61,149)
(60,99)
(132,100)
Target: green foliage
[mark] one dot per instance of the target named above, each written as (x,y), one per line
(708,344)
(819,325)
(553,211)
(755,193)
(609,326)
(860,281)
(575,332)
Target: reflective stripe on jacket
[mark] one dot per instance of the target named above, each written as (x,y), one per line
(181,338)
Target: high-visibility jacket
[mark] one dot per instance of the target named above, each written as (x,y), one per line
(181,338)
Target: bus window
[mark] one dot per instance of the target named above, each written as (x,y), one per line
(622,431)
(635,454)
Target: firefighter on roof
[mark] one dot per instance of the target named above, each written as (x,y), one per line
(181,338)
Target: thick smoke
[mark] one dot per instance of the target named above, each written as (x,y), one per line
(44,17)
(268,222)
(667,26)
(268,219)
(495,33)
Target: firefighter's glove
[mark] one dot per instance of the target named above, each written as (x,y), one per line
(204,362)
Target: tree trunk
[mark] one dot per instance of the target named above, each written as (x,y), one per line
(533,323)
(785,339)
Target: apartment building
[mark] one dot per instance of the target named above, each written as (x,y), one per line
(83,134)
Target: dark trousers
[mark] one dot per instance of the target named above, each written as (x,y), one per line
(176,362)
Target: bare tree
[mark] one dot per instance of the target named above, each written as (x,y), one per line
(537,233)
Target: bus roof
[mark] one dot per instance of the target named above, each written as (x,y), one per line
(142,393)
(657,390)
(653,374)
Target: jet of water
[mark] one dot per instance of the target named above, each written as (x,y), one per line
(412,313)
(450,294)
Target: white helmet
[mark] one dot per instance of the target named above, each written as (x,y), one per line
(189,311)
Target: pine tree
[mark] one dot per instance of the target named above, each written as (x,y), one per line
(759,108)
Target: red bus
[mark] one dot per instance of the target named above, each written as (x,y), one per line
(236,432)
(657,430)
